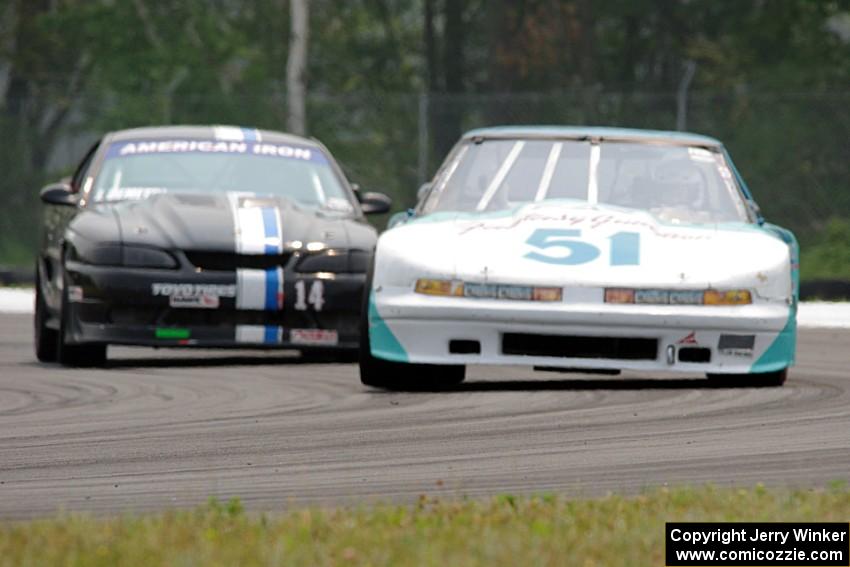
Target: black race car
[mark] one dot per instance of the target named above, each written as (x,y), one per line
(206,236)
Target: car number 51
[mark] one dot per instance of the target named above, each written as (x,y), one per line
(565,247)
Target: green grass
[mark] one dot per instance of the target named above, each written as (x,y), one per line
(16,254)
(505,530)
(829,257)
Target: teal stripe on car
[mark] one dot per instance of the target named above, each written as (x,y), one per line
(781,352)
(382,341)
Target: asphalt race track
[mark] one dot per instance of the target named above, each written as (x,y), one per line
(159,429)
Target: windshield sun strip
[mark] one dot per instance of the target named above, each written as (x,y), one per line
(548,171)
(434,196)
(592,178)
(497,181)
(317,186)
(731,185)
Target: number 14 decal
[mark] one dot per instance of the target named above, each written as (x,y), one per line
(565,247)
(316,297)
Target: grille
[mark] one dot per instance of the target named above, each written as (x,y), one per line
(695,354)
(564,346)
(229,261)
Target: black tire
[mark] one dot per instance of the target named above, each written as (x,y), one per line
(401,376)
(754,380)
(45,339)
(328,356)
(93,354)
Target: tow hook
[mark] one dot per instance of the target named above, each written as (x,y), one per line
(671,354)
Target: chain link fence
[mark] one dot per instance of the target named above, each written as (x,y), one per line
(792,148)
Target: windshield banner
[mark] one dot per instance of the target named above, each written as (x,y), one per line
(176,146)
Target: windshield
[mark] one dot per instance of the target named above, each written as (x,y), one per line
(137,169)
(673,182)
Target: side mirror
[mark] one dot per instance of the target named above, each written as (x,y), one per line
(374,203)
(58,194)
(423,190)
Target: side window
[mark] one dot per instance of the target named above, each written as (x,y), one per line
(80,173)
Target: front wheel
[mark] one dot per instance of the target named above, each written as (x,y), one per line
(46,339)
(402,376)
(69,354)
(755,380)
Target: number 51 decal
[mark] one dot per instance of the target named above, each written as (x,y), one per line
(565,247)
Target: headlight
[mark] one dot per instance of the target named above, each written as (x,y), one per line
(139,257)
(729,297)
(99,255)
(439,287)
(335,262)
(127,256)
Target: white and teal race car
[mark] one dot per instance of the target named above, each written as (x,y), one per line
(587,249)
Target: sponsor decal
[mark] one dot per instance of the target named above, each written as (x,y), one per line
(481,290)
(736,345)
(130,193)
(172,333)
(337,204)
(229,146)
(652,296)
(314,337)
(689,339)
(194,302)
(591,221)
(686,297)
(189,290)
(75,294)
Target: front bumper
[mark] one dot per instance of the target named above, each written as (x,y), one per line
(409,327)
(119,306)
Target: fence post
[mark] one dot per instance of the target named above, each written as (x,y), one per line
(422,172)
(682,95)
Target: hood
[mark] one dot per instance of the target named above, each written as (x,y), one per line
(582,245)
(231,223)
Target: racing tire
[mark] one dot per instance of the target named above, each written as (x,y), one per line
(400,376)
(45,339)
(755,380)
(75,355)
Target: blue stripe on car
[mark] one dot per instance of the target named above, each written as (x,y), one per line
(270,229)
(272,285)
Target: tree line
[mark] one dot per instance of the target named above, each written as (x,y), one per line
(70,69)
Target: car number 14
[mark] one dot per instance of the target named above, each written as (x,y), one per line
(565,247)
(316,296)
